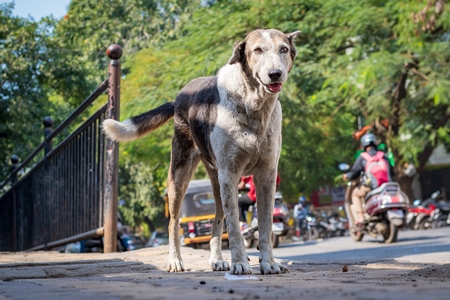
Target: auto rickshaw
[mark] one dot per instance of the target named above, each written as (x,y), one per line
(197,214)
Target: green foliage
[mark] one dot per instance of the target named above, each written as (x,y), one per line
(141,194)
(310,154)
(90,26)
(381,60)
(351,56)
(27,79)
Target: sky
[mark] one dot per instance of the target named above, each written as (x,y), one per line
(39,8)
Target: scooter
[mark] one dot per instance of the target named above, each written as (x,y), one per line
(431,213)
(385,208)
(305,226)
(419,215)
(279,226)
(440,217)
(337,225)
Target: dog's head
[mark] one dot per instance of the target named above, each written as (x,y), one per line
(268,56)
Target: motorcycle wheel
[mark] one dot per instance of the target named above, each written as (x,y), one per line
(314,234)
(307,235)
(440,222)
(357,236)
(391,235)
(424,224)
(275,241)
(248,242)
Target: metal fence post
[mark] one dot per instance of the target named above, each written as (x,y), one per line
(14,165)
(48,145)
(114,52)
(48,123)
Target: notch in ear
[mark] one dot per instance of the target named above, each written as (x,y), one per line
(291,37)
(238,55)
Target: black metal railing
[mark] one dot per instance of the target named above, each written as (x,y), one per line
(71,193)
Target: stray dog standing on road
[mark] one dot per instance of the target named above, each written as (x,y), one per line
(232,123)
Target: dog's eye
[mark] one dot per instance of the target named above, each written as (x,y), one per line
(284,50)
(258,50)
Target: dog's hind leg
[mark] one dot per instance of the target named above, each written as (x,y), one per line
(216,260)
(265,197)
(184,159)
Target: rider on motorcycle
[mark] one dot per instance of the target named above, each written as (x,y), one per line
(301,211)
(375,174)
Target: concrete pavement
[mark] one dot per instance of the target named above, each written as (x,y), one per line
(141,274)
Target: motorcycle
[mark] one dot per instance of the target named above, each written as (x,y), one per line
(338,225)
(385,208)
(440,216)
(332,225)
(432,213)
(305,225)
(279,226)
(419,215)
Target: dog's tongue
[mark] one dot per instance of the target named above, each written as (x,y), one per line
(275,87)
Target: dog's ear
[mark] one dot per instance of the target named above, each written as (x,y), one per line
(238,55)
(291,37)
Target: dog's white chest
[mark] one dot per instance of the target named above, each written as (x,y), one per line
(237,136)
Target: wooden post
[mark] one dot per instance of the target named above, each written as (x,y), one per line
(114,52)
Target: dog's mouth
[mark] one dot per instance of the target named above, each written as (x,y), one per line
(275,87)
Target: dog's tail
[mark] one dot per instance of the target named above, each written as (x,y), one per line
(138,126)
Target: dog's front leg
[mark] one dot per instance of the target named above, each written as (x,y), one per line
(265,197)
(216,260)
(228,192)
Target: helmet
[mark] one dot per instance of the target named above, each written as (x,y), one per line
(368,139)
(302,200)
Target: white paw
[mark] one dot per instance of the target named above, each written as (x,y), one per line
(220,265)
(175,265)
(272,268)
(241,268)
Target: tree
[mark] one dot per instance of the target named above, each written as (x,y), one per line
(353,57)
(311,149)
(138,183)
(390,62)
(90,26)
(26,83)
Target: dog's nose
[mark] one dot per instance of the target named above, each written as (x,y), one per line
(275,74)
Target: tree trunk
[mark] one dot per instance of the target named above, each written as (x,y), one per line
(406,185)
(150,224)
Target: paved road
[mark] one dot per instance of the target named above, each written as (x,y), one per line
(417,267)
(421,246)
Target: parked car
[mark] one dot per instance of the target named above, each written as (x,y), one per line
(158,238)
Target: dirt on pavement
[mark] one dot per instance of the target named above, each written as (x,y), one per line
(141,274)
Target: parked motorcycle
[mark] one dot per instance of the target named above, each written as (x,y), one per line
(332,225)
(385,208)
(419,215)
(305,224)
(338,225)
(440,216)
(279,226)
(431,213)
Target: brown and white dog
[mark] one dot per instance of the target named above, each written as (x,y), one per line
(232,123)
